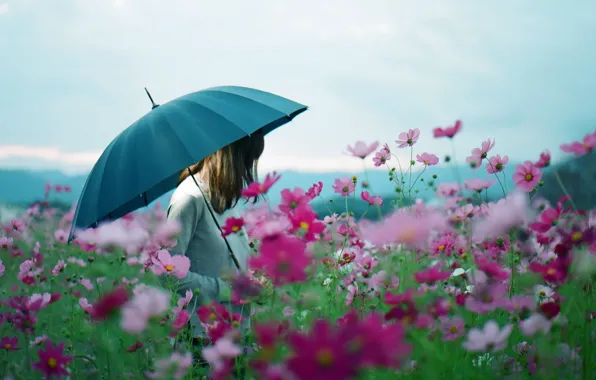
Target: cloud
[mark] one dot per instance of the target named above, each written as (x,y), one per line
(368,70)
(3,8)
(52,154)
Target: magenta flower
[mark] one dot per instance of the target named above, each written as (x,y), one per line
(9,343)
(232,226)
(177,265)
(449,132)
(362,150)
(526,176)
(452,328)
(344,186)
(544,160)
(427,159)
(489,339)
(283,259)
(315,190)
(431,275)
(292,199)
(256,189)
(371,199)
(52,361)
(408,138)
(486,298)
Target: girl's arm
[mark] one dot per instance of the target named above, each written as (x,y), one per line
(188,210)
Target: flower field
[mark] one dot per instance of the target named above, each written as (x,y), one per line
(501,290)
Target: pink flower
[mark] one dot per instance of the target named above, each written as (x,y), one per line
(427,159)
(61,236)
(344,186)
(256,189)
(120,233)
(447,190)
(526,176)
(431,275)
(580,148)
(478,185)
(502,216)
(449,132)
(176,366)
(283,259)
(548,219)
(408,138)
(177,265)
(382,156)
(5,242)
(544,160)
(489,339)
(59,267)
(361,149)
(496,164)
(2,268)
(402,228)
(183,302)
(223,350)
(452,328)
(148,302)
(371,200)
(290,200)
(486,298)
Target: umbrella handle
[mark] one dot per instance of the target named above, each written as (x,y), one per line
(153,105)
(232,254)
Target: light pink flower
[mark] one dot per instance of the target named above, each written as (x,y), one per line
(452,328)
(221,351)
(496,164)
(344,186)
(2,268)
(381,157)
(177,365)
(428,159)
(59,267)
(148,302)
(536,322)
(408,138)
(177,265)
(478,185)
(361,149)
(490,339)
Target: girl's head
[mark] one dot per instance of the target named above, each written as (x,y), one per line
(229,170)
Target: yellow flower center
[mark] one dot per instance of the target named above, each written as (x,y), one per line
(551,271)
(441,247)
(169,267)
(52,363)
(576,236)
(325,357)
(8,346)
(212,316)
(304,225)
(235,228)
(407,235)
(529,177)
(453,329)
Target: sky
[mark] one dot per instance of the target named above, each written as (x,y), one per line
(73,73)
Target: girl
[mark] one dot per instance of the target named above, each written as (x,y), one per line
(207,194)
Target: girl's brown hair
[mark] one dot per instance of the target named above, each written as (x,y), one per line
(230,170)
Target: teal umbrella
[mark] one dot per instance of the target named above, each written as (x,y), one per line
(145,160)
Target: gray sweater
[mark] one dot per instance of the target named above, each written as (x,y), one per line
(201,241)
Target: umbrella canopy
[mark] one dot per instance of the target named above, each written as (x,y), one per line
(145,160)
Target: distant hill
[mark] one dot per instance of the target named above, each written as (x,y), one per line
(21,187)
(26,186)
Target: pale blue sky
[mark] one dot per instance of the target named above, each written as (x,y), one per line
(523,72)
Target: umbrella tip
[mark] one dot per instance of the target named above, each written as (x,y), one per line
(153,105)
